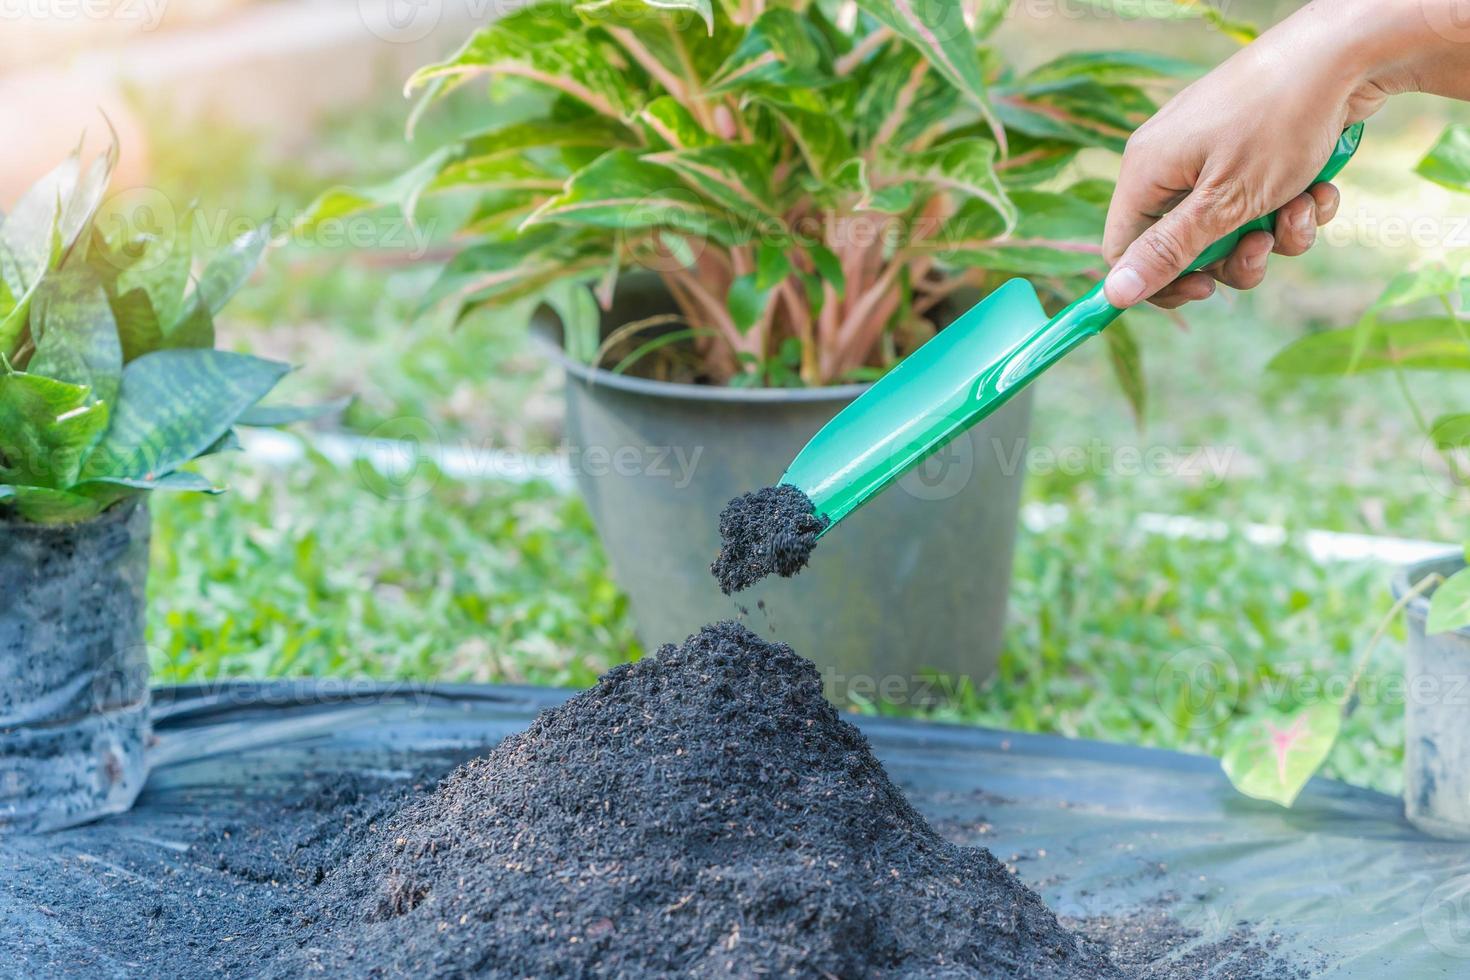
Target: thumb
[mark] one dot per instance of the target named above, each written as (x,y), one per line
(1166,248)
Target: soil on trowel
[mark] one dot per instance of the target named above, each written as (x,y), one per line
(704,812)
(767,531)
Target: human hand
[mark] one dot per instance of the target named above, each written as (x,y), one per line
(1243,141)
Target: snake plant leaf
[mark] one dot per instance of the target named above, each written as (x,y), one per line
(735,176)
(175,404)
(194,328)
(29,240)
(271,416)
(182,481)
(43,505)
(781,48)
(160,263)
(1271,755)
(1448,162)
(1432,343)
(1449,606)
(76,335)
(47,428)
(939,32)
(546,44)
(622,191)
(1109,66)
(138,329)
(229,270)
(86,197)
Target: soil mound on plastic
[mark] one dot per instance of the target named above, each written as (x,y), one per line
(704,812)
(767,531)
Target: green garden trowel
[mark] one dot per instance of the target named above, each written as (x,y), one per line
(967,371)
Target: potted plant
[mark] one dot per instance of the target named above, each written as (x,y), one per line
(771,205)
(1420,322)
(109,386)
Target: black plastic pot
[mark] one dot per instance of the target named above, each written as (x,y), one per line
(73,669)
(912,585)
(1436,712)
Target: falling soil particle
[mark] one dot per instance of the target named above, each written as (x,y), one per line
(768,531)
(704,812)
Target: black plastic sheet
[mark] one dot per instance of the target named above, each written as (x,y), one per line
(1096,828)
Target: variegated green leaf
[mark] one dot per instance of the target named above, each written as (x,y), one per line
(587,131)
(1112,66)
(546,44)
(47,427)
(180,481)
(1271,755)
(820,137)
(1127,362)
(673,125)
(622,191)
(175,404)
(138,328)
(270,416)
(734,176)
(29,240)
(781,48)
(76,335)
(699,8)
(965,168)
(339,203)
(161,264)
(939,32)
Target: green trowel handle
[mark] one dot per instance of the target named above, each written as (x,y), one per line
(1347,145)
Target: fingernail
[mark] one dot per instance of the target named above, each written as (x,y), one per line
(1256,261)
(1306,226)
(1124,286)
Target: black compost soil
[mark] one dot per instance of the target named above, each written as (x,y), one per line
(770,531)
(704,812)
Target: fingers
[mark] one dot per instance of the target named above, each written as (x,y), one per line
(1186,289)
(1245,267)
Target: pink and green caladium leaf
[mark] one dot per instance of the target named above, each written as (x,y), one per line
(620,190)
(965,168)
(549,45)
(1449,606)
(1057,234)
(1448,162)
(1433,343)
(735,176)
(939,32)
(1112,66)
(174,405)
(670,125)
(820,137)
(76,335)
(339,203)
(699,8)
(1271,755)
(47,428)
(781,48)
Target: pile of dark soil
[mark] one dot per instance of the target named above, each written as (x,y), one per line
(767,531)
(704,812)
